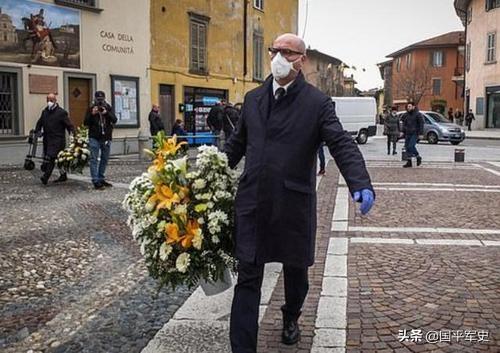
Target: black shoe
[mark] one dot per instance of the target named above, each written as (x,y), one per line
(394,152)
(291,331)
(106,184)
(419,161)
(98,186)
(321,172)
(408,164)
(44,180)
(61,179)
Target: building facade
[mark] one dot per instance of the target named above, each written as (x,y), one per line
(205,50)
(325,72)
(482,76)
(429,73)
(82,46)
(350,89)
(385,69)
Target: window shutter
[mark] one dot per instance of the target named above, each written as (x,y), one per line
(444,58)
(194,46)
(202,47)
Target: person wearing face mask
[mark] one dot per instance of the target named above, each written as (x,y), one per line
(280,129)
(391,129)
(100,120)
(53,124)
(413,129)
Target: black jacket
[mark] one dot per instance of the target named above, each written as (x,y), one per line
(215,118)
(231,116)
(470,117)
(391,125)
(155,123)
(54,124)
(275,203)
(101,125)
(413,123)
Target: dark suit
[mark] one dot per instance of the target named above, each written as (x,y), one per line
(275,204)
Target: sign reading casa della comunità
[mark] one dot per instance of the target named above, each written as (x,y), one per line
(115,42)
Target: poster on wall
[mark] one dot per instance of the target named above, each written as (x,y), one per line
(126,100)
(38,33)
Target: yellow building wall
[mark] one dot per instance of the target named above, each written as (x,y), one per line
(225,37)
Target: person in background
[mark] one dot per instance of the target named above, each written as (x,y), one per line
(155,122)
(468,119)
(459,117)
(231,116)
(392,130)
(100,120)
(53,124)
(450,114)
(413,129)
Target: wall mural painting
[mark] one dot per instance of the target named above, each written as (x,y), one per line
(39,34)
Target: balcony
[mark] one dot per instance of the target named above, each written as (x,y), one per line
(89,5)
(458,75)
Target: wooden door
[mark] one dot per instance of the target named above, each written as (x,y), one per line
(166,104)
(80,94)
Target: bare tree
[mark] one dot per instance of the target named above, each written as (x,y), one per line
(413,84)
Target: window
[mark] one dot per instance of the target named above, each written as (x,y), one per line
(437,58)
(398,64)
(258,50)
(491,47)
(259,4)
(436,86)
(492,4)
(467,56)
(125,100)
(198,45)
(408,61)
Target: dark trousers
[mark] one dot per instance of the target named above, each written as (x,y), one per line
(47,167)
(411,145)
(245,309)
(469,123)
(391,139)
(321,156)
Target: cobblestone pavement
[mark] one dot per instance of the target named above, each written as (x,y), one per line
(71,277)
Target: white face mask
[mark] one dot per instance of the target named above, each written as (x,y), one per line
(50,105)
(281,67)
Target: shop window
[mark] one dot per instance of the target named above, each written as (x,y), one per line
(9,124)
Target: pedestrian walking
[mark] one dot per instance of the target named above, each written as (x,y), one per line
(215,120)
(468,119)
(459,117)
(155,122)
(413,129)
(53,124)
(282,125)
(450,114)
(100,120)
(392,130)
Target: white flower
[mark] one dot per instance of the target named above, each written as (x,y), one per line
(198,240)
(215,239)
(165,250)
(182,262)
(180,164)
(201,220)
(180,210)
(199,184)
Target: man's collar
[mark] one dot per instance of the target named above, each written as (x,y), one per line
(276,85)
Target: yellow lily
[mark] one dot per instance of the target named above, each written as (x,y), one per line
(172,231)
(164,197)
(158,163)
(170,146)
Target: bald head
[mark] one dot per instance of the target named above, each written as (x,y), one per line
(290,41)
(51,97)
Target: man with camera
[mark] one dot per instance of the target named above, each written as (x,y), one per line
(100,120)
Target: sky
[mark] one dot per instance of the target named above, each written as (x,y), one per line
(55,16)
(362,32)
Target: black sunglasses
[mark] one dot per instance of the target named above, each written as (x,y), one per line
(284,52)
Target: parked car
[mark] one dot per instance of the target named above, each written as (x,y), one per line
(358,116)
(438,128)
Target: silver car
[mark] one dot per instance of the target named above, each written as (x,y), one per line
(438,128)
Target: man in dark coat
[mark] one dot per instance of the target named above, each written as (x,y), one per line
(282,125)
(468,119)
(100,120)
(231,116)
(53,123)
(155,122)
(413,129)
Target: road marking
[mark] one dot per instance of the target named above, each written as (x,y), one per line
(341,211)
(439,185)
(436,189)
(488,170)
(382,240)
(495,164)
(424,230)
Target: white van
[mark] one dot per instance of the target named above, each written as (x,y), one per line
(358,116)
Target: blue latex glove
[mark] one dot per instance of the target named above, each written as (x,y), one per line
(367,199)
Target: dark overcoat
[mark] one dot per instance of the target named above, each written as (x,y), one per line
(275,203)
(54,124)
